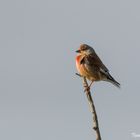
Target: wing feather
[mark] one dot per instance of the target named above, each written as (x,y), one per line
(96,61)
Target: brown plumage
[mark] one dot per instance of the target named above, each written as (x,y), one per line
(90,66)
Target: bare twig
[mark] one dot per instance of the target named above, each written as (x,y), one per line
(78,74)
(92,109)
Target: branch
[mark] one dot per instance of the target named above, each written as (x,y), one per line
(92,109)
(78,74)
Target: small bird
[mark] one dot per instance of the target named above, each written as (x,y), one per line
(90,66)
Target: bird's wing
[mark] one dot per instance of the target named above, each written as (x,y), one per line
(94,60)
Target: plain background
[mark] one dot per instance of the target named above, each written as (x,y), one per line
(41,98)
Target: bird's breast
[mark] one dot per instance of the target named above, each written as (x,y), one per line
(78,59)
(81,67)
(85,69)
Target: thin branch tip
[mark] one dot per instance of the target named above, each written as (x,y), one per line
(78,75)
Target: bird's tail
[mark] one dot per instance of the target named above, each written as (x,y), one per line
(113,81)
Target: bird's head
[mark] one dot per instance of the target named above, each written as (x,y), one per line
(85,49)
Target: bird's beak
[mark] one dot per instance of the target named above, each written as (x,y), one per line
(78,51)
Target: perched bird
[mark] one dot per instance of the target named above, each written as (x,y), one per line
(90,66)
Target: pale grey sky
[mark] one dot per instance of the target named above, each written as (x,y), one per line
(40,96)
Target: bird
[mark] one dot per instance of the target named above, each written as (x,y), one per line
(90,66)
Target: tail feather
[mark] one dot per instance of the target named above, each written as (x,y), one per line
(113,81)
